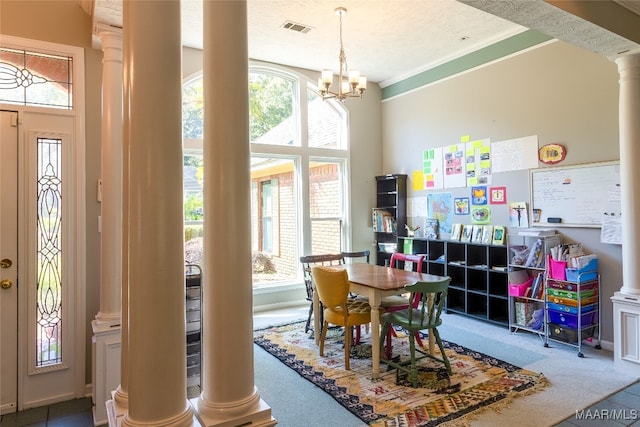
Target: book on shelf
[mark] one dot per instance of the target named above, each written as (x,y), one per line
(536,255)
(476,234)
(383,221)
(498,235)
(487,234)
(536,286)
(467,232)
(456,231)
(431,228)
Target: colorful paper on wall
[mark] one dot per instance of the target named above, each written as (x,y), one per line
(432,169)
(418,180)
(478,162)
(454,166)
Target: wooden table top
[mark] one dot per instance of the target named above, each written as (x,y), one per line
(384,278)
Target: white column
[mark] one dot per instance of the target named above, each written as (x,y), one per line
(117,407)
(106,326)
(229,396)
(157,394)
(111,206)
(626,302)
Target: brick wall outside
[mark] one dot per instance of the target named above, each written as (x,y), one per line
(325,195)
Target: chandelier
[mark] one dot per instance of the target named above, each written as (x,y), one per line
(350,82)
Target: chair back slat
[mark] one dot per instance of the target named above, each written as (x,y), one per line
(416,259)
(308,261)
(366,254)
(432,296)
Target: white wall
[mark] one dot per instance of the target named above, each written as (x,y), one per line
(557,91)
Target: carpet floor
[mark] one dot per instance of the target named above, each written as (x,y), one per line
(478,381)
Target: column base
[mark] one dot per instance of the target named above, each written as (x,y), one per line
(626,329)
(116,414)
(259,417)
(106,367)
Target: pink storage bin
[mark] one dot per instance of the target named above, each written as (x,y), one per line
(557,269)
(518,290)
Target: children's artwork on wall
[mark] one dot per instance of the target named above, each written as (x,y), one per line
(479,195)
(440,207)
(454,166)
(498,195)
(478,159)
(461,205)
(432,168)
(480,215)
(518,214)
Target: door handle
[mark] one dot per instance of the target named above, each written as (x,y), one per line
(5,263)
(5,284)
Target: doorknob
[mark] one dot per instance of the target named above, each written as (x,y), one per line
(5,263)
(5,284)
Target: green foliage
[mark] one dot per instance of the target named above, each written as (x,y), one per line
(192,110)
(270,102)
(193,207)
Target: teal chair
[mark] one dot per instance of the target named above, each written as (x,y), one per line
(426,316)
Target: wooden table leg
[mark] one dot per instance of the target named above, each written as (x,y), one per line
(374,302)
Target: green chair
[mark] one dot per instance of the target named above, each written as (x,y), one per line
(425,316)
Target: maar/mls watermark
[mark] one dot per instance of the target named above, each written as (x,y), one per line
(608,414)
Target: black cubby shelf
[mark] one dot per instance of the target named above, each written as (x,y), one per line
(479,281)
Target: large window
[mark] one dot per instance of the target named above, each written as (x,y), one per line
(298,173)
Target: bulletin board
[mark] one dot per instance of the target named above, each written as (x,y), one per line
(579,195)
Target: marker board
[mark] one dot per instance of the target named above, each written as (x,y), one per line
(579,195)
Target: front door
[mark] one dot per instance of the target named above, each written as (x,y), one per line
(41,346)
(8,261)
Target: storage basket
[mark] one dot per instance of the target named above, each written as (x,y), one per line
(519,290)
(585,274)
(524,311)
(557,269)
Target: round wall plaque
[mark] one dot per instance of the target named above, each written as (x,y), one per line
(551,154)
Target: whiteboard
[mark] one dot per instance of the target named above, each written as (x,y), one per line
(580,195)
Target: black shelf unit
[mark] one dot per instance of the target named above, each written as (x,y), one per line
(479,281)
(391,197)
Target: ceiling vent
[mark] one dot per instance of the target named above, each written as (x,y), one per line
(294,26)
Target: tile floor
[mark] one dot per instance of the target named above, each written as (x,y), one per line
(73,413)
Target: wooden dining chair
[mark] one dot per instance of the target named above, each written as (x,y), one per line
(353,256)
(399,302)
(432,296)
(309,261)
(339,309)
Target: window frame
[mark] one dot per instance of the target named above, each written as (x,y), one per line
(302,155)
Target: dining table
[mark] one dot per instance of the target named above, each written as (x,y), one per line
(375,282)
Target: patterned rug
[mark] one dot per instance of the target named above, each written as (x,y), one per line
(478,381)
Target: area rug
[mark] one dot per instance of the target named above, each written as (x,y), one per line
(478,381)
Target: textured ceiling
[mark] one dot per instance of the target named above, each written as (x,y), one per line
(389,40)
